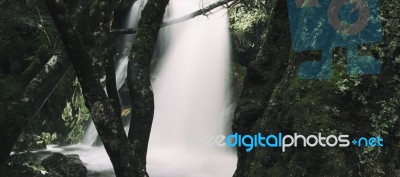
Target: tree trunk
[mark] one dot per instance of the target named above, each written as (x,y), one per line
(107,123)
(259,83)
(139,84)
(35,95)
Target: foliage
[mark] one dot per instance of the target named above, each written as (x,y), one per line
(75,115)
(10,87)
(357,105)
(47,138)
(247,27)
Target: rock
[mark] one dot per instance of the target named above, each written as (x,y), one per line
(22,171)
(29,142)
(65,165)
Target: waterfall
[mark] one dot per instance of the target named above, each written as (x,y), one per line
(121,64)
(192,99)
(191,89)
(90,136)
(132,22)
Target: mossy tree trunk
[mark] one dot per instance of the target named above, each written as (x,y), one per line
(264,72)
(21,112)
(139,84)
(108,124)
(128,156)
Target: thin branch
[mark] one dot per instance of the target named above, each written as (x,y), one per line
(124,31)
(42,25)
(109,57)
(202,11)
(197,13)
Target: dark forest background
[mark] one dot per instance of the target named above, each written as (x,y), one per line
(56,57)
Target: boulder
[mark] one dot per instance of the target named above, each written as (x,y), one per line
(18,170)
(65,165)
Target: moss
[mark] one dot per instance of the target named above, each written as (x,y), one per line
(31,71)
(246,27)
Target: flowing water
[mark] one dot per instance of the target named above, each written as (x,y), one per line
(191,89)
(191,97)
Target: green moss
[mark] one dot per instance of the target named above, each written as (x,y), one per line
(31,71)
(247,30)
(75,116)
(238,69)
(246,25)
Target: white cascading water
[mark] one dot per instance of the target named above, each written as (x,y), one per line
(132,22)
(192,96)
(192,99)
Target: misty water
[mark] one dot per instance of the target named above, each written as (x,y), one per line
(192,98)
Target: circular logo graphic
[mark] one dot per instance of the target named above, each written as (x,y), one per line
(343,27)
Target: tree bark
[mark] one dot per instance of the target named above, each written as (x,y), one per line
(107,123)
(139,84)
(28,105)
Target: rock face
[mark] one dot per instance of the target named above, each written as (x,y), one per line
(64,166)
(275,100)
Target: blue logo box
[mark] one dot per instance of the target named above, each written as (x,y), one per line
(326,24)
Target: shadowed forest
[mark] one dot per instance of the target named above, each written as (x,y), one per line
(129,88)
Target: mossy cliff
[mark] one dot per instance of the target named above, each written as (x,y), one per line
(275,100)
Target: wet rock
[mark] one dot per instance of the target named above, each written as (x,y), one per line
(64,165)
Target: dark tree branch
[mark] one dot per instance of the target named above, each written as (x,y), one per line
(202,11)
(108,125)
(111,87)
(20,112)
(109,55)
(124,31)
